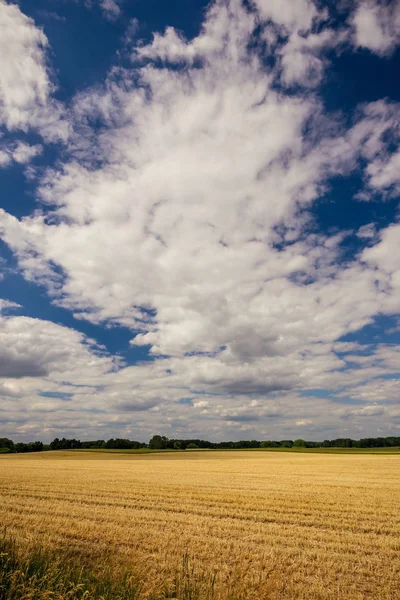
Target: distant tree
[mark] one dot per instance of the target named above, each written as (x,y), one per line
(191,446)
(137,445)
(158,442)
(30,447)
(123,444)
(110,444)
(254,444)
(226,445)
(20,447)
(93,444)
(35,447)
(6,443)
(299,443)
(65,444)
(343,443)
(245,444)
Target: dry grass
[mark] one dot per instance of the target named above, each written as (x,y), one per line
(223,526)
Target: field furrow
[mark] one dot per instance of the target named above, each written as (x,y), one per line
(267,525)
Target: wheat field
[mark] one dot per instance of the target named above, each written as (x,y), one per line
(244,525)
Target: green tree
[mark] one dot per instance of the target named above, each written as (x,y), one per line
(299,443)
(7,443)
(268,444)
(286,444)
(177,445)
(191,446)
(158,442)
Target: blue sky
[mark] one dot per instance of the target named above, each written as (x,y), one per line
(200,220)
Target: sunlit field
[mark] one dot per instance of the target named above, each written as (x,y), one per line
(211,525)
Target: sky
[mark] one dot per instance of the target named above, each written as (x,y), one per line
(199,223)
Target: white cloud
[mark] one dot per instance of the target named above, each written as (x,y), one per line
(195,231)
(365,411)
(377,25)
(110,9)
(224,35)
(376,138)
(385,173)
(25,84)
(7,304)
(367,232)
(376,391)
(20,152)
(36,348)
(186,209)
(383,257)
(5,158)
(294,15)
(303,422)
(24,81)
(135,401)
(23,153)
(302,59)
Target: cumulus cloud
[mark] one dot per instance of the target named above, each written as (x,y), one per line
(23,153)
(188,206)
(36,348)
(24,81)
(383,258)
(187,218)
(5,158)
(299,49)
(26,87)
(367,232)
(18,152)
(294,15)
(365,411)
(385,174)
(377,25)
(376,391)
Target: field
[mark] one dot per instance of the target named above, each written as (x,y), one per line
(210,525)
(384,450)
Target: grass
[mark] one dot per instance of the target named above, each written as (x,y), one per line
(202,525)
(37,574)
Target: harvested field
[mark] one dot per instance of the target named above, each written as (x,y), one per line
(233,525)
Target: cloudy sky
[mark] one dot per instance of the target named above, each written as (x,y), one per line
(199,221)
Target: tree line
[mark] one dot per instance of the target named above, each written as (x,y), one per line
(159,442)
(7,445)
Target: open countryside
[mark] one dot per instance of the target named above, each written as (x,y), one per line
(199,300)
(212,525)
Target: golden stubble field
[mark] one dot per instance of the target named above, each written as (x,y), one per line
(267,525)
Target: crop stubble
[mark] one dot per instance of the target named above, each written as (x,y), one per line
(267,525)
